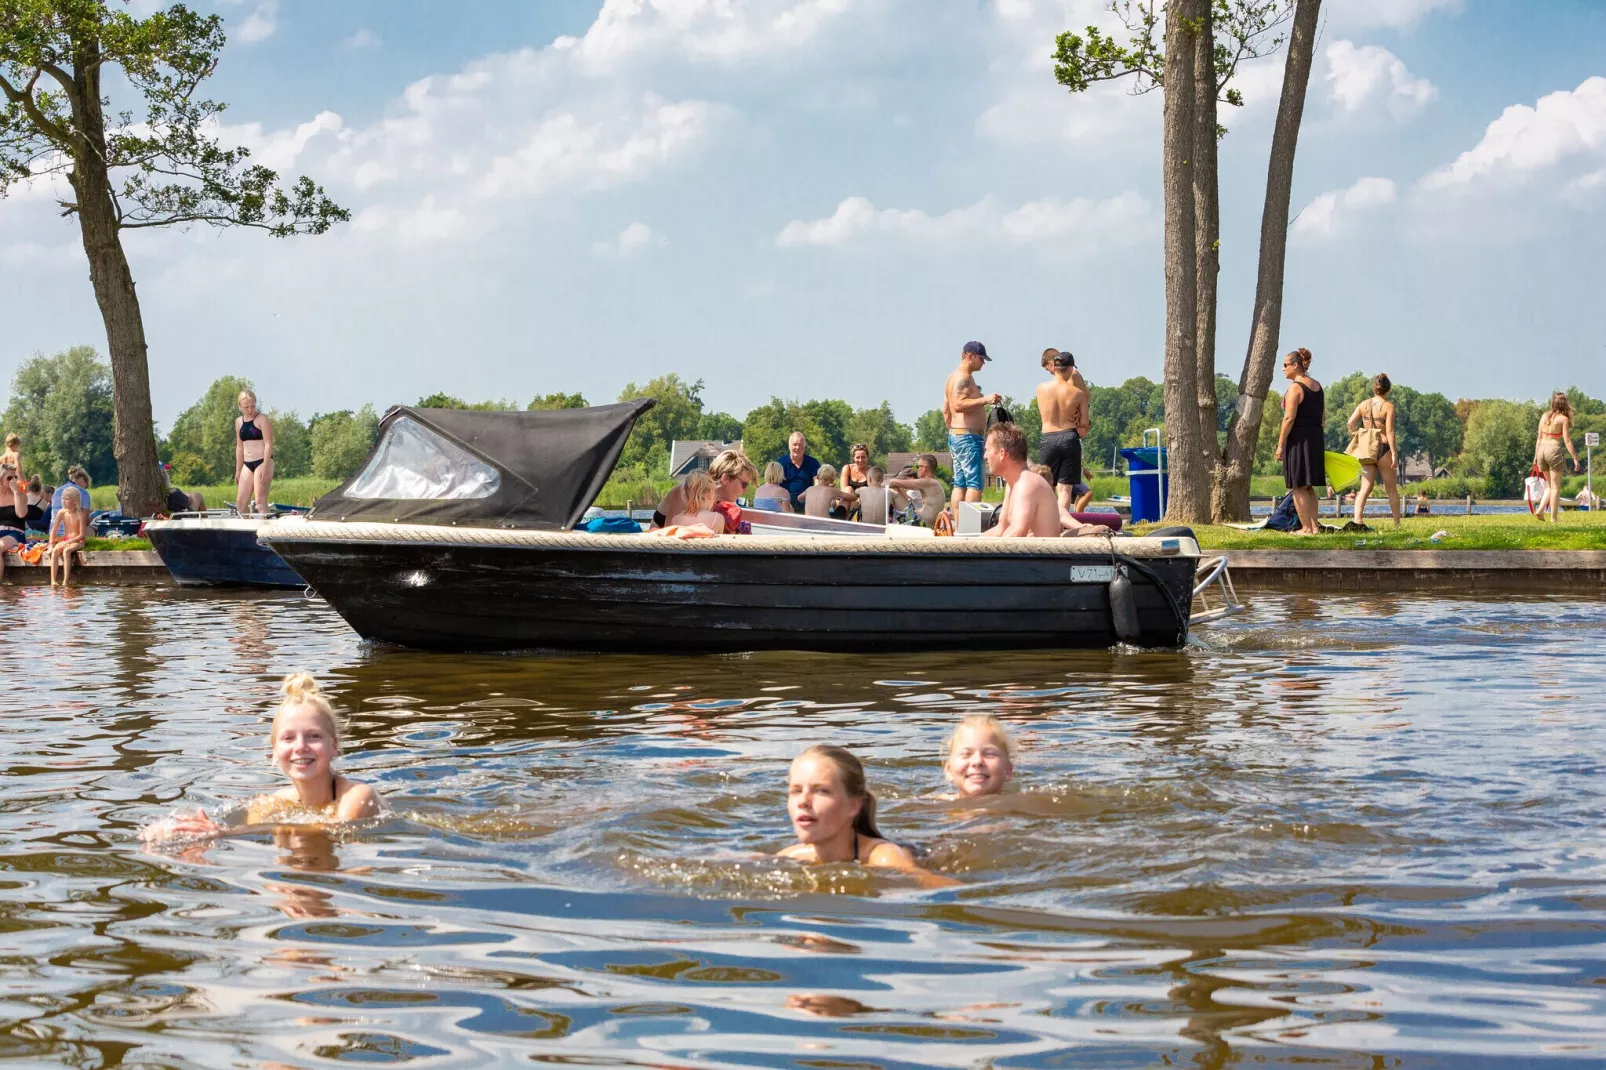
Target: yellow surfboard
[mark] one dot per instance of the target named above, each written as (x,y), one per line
(1343,471)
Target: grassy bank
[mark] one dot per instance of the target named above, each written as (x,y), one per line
(1577,531)
(303,490)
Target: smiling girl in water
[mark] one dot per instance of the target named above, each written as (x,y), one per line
(304,742)
(981,757)
(833,814)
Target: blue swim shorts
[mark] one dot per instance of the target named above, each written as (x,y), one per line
(966,451)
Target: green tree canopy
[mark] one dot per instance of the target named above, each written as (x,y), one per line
(1500,443)
(292,445)
(1119,415)
(447,401)
(1426,424)
(205,430)
(62,408)
(676,416)
(718,427)
(767,428)
(881,431)
(558,401)
(342,441)
(930,432)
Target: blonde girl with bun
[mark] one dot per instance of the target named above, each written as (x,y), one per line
(303,742)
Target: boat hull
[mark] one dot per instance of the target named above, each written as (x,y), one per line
(219,552)
(641,597)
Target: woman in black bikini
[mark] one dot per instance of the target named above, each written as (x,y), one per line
(855,476)
(253,455)
(833,814)
(13,512)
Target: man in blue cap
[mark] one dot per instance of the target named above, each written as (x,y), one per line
(964,408)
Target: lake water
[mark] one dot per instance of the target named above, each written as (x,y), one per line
(1337,832)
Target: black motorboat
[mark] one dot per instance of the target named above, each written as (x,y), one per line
(218,550)
(458,535)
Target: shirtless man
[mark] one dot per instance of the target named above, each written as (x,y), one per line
(1066,422)
(1029,506)
(965,409)
(926,484)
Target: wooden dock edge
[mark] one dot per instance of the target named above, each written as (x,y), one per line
(1369,571)
(117,568)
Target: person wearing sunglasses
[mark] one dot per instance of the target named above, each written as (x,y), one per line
(732,474)
(13,512)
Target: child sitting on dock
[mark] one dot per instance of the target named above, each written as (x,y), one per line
(833,814)
(68,534)
(981,757)
(699,492)
(304,742)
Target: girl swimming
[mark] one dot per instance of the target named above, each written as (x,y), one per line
(981,757)
(833,814)
(304,742)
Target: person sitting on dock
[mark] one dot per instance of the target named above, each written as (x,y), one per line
(12,457)
(699,495)
(76,476)
(1030,508)
(772,496)
(798,469)
(833,815)
(926,486)
(732,474)
(304,742)
(820,498)
(13,513)
(981,757)
(69,531)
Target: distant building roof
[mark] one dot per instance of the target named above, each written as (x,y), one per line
(694,454)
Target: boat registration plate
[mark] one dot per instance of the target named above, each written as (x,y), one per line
(1092,573)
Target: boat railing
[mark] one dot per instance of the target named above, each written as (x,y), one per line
(1213,578)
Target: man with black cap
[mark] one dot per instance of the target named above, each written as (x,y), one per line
(964,407)
(1062,401)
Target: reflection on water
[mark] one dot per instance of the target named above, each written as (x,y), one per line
(1341,831)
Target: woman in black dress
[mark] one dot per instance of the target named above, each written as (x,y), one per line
(1300,446)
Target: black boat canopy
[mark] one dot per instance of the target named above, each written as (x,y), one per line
(537,469)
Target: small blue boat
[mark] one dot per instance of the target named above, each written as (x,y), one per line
(219,551)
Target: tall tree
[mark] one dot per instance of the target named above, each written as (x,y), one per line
(159,168)
(206,430)
(679,410)
(1231,493)
(1193,48)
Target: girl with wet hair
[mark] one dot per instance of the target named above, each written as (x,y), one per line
(1555,430)
(304,742)
(833,815)
(980,758)
(1372,424)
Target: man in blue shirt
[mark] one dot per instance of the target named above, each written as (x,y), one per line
(798,469)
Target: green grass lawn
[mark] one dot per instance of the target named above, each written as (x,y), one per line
(1512,531)
(303,490)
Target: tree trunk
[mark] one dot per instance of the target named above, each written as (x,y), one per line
(1231,499)
(1207,240)
(134,433)
(1190,486)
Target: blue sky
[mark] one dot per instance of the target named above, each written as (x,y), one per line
(827,198)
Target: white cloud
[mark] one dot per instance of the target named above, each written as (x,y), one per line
(363,38)
(1360,75)
(632,242)
(420,224)
(1525,141)
(1068,224)
(279,149)
(723,31)
(1326,215)
(1391,13)
(260,24)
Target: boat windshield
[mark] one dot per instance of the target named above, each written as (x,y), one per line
(413,462)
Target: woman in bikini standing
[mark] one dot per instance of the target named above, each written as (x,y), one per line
(1555,428)
(253,454)
(1376,416)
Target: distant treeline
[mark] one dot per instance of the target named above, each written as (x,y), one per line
(62,407)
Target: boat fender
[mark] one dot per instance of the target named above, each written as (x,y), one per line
(1123,606)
